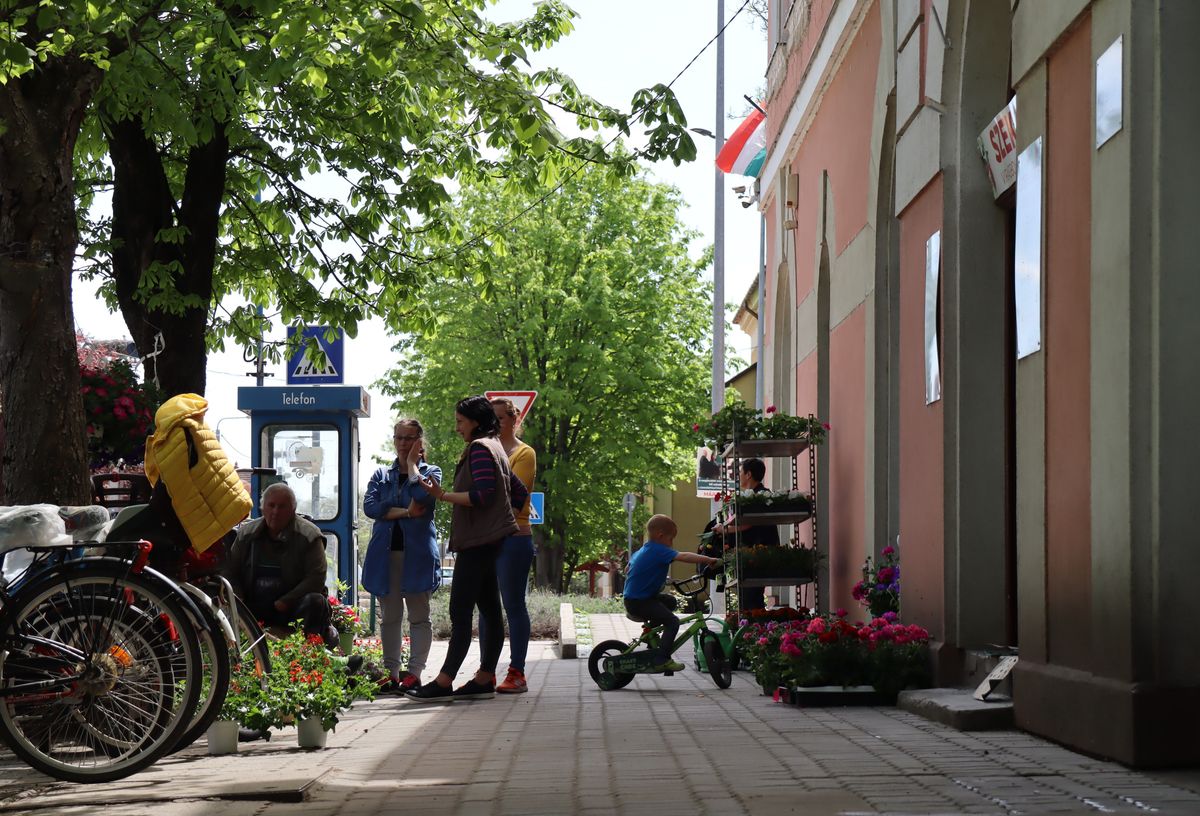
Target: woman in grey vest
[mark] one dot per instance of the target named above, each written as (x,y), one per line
(484,497)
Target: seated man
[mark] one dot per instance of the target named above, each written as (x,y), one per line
(277,566)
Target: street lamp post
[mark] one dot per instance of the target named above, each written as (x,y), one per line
(718,361)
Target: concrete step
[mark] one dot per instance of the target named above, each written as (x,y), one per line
(958,708)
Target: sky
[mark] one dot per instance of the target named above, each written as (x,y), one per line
(618,47)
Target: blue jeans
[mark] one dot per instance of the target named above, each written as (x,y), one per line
(512,573)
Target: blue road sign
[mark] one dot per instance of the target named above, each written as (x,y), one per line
(303,371)
(537,508)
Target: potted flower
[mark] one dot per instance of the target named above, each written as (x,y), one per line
(246,704)
(760,645)
(879,589)
(897,655)
(348,621)
(306,684)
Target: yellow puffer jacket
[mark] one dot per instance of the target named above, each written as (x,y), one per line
(208,497)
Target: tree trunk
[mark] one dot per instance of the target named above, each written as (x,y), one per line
(142,206)
(550,556)
(45,452)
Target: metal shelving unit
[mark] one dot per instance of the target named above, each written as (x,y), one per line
(776,449)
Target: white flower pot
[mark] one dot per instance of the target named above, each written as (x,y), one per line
(310,733)
(223,737)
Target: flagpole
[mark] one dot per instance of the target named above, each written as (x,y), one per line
(718,362)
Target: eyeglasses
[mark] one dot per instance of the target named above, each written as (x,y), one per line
(406,438)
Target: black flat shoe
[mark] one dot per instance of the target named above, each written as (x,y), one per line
(471,690)
(431,692)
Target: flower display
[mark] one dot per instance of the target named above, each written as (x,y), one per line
(831,651)
(764,561)
(738,418)
(879,589)
(119,412)
(304,681)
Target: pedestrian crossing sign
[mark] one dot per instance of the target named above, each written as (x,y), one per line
(327,368)
(537,508)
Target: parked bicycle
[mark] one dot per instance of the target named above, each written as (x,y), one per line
(100,660)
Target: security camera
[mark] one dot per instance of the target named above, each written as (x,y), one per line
(741,188)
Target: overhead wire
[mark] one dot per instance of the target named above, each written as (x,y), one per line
(558,187)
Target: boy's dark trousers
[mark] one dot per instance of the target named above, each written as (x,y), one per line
(657,612)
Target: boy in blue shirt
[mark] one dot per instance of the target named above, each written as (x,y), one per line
(648,571)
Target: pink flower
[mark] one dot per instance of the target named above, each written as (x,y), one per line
(101,392)
(889,550)
(762,641)
(841,613)
(826,426)
(816,626)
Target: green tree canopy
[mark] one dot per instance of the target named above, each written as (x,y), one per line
(208,120)
(594,303)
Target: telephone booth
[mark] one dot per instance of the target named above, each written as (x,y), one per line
(309,435)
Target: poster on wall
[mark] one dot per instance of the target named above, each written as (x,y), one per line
(933,268)
(1027,260)
(998,147)
(1109,104)
(708,473)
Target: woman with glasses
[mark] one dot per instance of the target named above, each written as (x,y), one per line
(402,566)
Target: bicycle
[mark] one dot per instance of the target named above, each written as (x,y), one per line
(98,663)
(614,663)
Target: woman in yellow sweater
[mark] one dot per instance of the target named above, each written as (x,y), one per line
(516,554)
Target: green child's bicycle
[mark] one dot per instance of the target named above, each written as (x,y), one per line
(613,663)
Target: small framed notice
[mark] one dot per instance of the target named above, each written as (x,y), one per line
(997,676)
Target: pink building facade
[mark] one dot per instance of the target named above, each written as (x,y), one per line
(1004,366)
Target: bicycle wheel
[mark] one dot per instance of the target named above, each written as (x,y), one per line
(95,671)
(251,638)
(216,672)
(607,680)
(714,658)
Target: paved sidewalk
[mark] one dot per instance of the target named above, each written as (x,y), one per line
(662,746)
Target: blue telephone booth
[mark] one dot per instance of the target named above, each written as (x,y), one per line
(310,436)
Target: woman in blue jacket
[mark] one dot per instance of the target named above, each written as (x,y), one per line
(402,566)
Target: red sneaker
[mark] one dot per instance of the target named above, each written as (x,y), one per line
(514,683)
(409,681)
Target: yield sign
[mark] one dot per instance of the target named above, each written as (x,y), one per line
(521,400)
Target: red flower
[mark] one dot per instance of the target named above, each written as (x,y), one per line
(771,409)
(826,426)
(696,426)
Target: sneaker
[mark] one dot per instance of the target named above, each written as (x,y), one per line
(514,683)
(408,680)
(670,666)
(431,692)
(471,690)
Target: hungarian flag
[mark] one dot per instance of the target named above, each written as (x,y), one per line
(746,149)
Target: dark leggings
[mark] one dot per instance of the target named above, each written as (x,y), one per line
(475,585)
(657,612)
